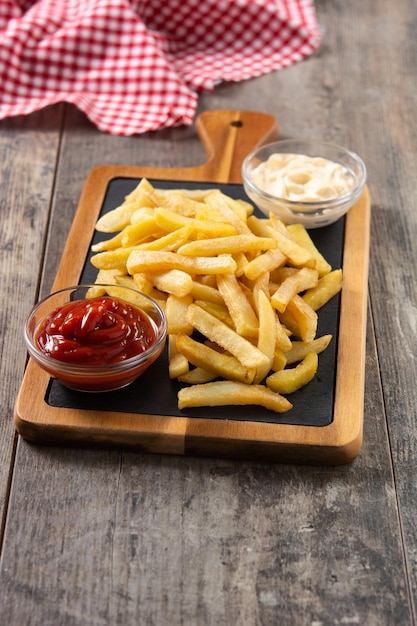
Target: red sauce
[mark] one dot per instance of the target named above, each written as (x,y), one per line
(97,332)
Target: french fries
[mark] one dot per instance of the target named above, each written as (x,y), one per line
(160,261)
(215,330)
(241,293)
(227,392)
(327,287)
(301,280)
(288,380)
(219,363)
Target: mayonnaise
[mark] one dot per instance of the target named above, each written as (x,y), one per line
(298,177)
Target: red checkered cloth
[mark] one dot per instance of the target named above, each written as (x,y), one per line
(138,65)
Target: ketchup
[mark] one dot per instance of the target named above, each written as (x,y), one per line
(96,332)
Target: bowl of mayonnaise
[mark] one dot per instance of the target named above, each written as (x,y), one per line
(304,181)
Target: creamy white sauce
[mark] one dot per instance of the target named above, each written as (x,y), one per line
(298,177)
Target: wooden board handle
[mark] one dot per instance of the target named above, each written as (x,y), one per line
(228,137)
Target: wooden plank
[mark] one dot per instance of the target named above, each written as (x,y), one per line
(383,115)
(339,442)
(28,153)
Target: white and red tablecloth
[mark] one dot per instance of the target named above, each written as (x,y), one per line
(138,65)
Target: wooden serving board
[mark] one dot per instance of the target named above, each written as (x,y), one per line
(328,426)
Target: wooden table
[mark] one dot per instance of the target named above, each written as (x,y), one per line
(114,537)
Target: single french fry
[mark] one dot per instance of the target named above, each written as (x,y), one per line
(169,242)
(108,244)
(325,290)
(112,259)
(227,245)
(219,363)
(305,278)
(288,381)
(266,262)
(178,364)
(159,261)
(215,330)
(222,393)
(245,321)
(267,327)
(117,219)
(300,349)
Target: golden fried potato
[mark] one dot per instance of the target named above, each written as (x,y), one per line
(241,293)
(288,380)
(223,393)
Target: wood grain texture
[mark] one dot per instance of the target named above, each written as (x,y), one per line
(28,157)
(112,537)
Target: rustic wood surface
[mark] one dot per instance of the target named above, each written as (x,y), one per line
(112,537)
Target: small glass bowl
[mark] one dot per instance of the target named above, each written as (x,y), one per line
(311,214)
(97,378)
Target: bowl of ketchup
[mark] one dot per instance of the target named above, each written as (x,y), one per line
(96,338)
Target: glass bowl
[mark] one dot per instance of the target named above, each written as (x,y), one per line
(105,364)
(310,210)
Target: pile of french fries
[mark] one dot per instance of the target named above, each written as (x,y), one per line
(240,293)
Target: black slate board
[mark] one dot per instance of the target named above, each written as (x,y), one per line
(155,394)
